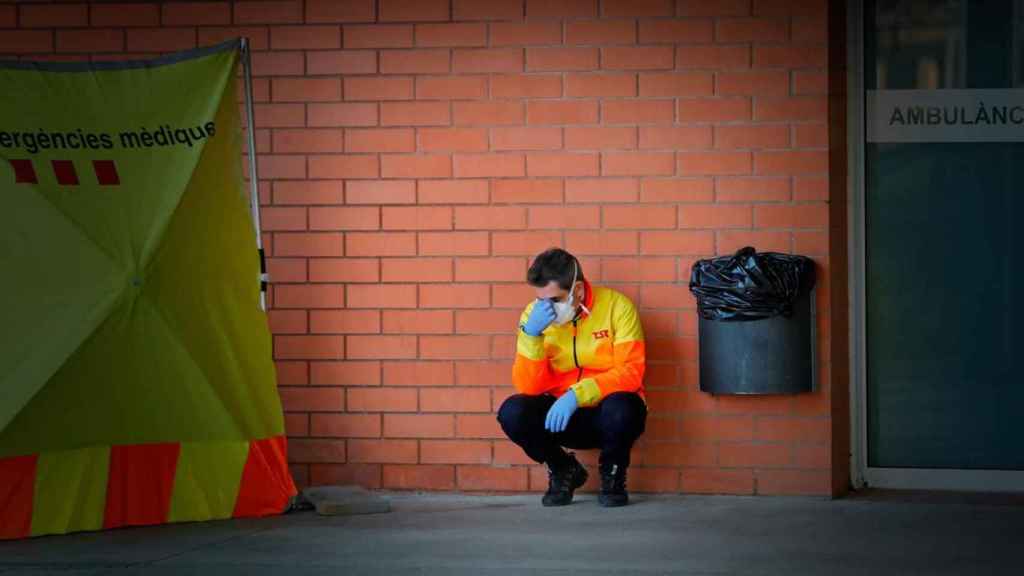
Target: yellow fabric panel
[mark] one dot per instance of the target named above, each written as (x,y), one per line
(588,393)
(71,490)
(207,480)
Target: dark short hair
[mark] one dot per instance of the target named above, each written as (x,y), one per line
(554,264)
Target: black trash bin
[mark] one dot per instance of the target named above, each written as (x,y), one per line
(756,323)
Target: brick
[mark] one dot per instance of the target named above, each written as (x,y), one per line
(790,56)
(601,190)
(489,270)
(570,217)
(490,479)
(427,61)
(637,8)
(526,138)
(559,59)
(532,190)
(729,241)
(492,10)
(637,164)
(131,15)
(271,167)
(275,219)
(347,218)
(670,243)
(411,373)
(345,425)
(478,426)
(376,88)
(287,321)
(754,455)
(488,165)
(600,85)
(714,216)
(791,482)
(264,12)
(676,84)
(414,114)
(451,87)
(414,10)
(717,481)
(418,322)
(526,86)
(433,35)
(489,218)
(342,114)
(308,245)
(378,192)
(365,475)
(638,217)
(561,9)
(737,30)
(416,270)
(288,347)
(810,188)
(343,166)
(802,108)
(810,83)
(305,37)
(340,11)
(453,139)
(455,400)
(306,89)
(385,36)
(419,425)
(382,451)
(482,60)
(380,244)
(601,243)
(713,110)
(259,36)
(637,58)
(379,348)
(380,140)
(752,189)
(455,452)
(488,113)
(637,111)
(714,57)
(94,40)
(418,477)
(541,112)
(287,269)
(453,192)
(562,164)
(597,32)
(642,270)
(809,31)
(752,136)
(345,374)
(756,83)
(586,138)
(318,399)
(791,162)
(296,425)
(455,347)
(344,322)
(812,456)
(343,270)
(815,8)
(678,31)
(415,166)
(483,374)
(523,243)
(53,16)
(315,450)
(800,430)
(453,244)
(417,218)
(713,163)
(794,216)
(692,8)
(279,115)
(525,34)
(308,296)
(331,62)
(675,137)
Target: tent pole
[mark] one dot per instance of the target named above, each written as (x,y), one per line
(254,192)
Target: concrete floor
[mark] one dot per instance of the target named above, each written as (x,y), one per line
(513,535)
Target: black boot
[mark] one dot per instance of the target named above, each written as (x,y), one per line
(563,480)
(613,486)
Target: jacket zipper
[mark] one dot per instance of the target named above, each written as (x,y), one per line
(575,359)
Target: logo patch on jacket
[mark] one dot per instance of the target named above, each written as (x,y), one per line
(601,334)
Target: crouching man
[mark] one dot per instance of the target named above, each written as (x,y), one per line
(579,371)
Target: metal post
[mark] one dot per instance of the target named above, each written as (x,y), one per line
(254,192)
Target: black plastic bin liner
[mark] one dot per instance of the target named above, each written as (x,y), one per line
(750,285)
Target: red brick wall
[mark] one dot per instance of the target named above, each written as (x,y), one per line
(414,154)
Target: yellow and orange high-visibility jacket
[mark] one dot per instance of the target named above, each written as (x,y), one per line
(594,356)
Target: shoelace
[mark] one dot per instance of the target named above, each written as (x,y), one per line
(613,481)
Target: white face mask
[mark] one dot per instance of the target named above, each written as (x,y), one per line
(566,311)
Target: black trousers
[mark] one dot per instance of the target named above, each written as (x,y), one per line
(613,426)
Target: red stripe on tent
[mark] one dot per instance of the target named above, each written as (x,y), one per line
(17,492)
(24,172)
(140,484)
(64,170)
(267,484)
(106,172)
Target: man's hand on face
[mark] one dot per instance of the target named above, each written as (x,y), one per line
(542,315)
(560,412)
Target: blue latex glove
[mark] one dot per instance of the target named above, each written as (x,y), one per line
(542,315)
(560,412)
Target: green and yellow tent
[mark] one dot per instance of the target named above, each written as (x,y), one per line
(136,376)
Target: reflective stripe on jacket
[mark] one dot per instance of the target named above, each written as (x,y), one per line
(596,355)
